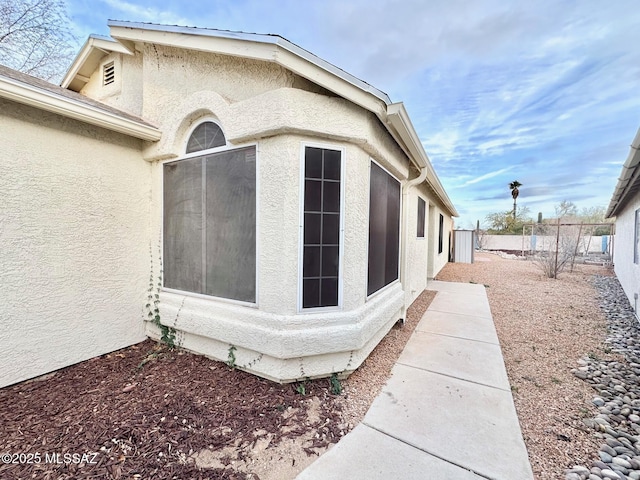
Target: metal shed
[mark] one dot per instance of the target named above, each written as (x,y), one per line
(463,245)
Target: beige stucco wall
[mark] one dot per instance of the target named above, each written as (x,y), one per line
(417,255)
(261,103)
(125,93)
(437,260)
(74,230)
(628,273)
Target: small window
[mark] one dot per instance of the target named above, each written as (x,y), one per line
(636,248)
(441,234)
(321,228)
(384,229)
(108,73)
(421,213)
(207,135)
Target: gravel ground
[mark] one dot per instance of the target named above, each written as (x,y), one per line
(545,326)
(616,387)
(552,333)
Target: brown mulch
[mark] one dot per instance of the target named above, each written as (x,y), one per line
(143,411)
(147,412)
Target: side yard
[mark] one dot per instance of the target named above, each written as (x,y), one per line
(545,326)
(147,411)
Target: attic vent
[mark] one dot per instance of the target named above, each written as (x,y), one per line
(108,73)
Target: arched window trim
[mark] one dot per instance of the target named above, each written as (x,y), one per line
(202,121)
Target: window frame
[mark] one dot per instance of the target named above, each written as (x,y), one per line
(441,234)
(421,235)
(400,213)
(202,153)
(327,146)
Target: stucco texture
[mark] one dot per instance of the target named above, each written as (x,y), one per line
(75,232)
(261,103)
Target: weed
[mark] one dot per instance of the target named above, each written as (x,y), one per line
(232,356)
(514,389)
(336,386)
(593,356)
(167,334)
(555,380)
(301,389)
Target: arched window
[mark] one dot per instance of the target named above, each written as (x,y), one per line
(209,211)
(206,135)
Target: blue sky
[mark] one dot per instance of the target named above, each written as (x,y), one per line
(544,92)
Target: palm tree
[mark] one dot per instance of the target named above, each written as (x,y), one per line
(513,186)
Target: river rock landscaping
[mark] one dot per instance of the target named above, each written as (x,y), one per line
(617,387)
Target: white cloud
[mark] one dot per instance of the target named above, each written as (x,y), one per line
(487,176)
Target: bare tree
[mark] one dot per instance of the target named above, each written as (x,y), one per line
(35,37)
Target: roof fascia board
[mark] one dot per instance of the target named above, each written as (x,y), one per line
(250,37)
(51,102)
(260,47)
(628,176)
(94,42)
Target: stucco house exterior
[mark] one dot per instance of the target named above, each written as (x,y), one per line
(625,207)
(291,205)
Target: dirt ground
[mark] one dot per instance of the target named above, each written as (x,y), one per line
(150,412)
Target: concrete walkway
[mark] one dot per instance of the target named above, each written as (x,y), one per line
(446,411)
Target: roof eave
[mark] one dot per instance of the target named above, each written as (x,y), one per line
(86,59)
(406,135)
(629,176)
(48,101)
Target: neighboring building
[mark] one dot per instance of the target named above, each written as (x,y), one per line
(625,207)
(294,208)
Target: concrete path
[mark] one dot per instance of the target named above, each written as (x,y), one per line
(446,411)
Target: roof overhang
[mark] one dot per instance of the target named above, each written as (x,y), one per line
(88,59)
(270,48)
(49,101)
(400,126)
(629,181)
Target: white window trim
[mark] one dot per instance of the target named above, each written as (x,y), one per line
(397,280)
(228,146)
(343,161)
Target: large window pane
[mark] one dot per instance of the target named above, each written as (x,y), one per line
(321,229)
(210,224)
(183,225)
(384,229)
(231,225)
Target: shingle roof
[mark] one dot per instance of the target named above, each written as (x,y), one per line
(69,95)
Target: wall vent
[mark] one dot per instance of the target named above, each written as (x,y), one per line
(108,73)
